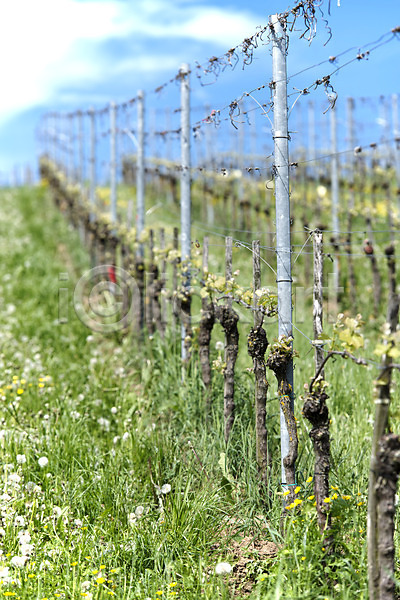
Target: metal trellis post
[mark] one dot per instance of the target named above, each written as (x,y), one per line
(140,199)
(396,135)
(185,196)
(335,196)
(282,200)
(81,151)
(113,162)
(92,159)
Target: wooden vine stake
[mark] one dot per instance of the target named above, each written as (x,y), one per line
(175,304)
(163,305)
(380,514)
(205,328)
(149,285)
(154,291)
(257,345)
(387,475)
(315,408)
(369,251)
(229,320)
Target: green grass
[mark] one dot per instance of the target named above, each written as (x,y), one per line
(116,424)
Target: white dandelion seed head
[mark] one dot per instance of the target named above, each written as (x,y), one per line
(43,461)
(27,549)
(103,422)
(139,510)
(222,568)
(85,585)
(19,561)
(24,537)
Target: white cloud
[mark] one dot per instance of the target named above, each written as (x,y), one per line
(204,24)
(40,39)
(51,44)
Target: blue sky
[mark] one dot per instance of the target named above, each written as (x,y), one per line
(69,54)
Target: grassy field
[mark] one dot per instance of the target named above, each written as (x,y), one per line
(117,484)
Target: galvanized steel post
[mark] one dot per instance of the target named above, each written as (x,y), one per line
(92,159)
(282,200)
(81,152)
(335,196)
(70,148)
(396,135)
(113,162)
(140,199)
(185,192)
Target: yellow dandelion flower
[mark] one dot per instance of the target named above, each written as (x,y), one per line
(309,479)
(297,501)
(311,497)
(286,493)
(297,489)
(327,500)
(303,558)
